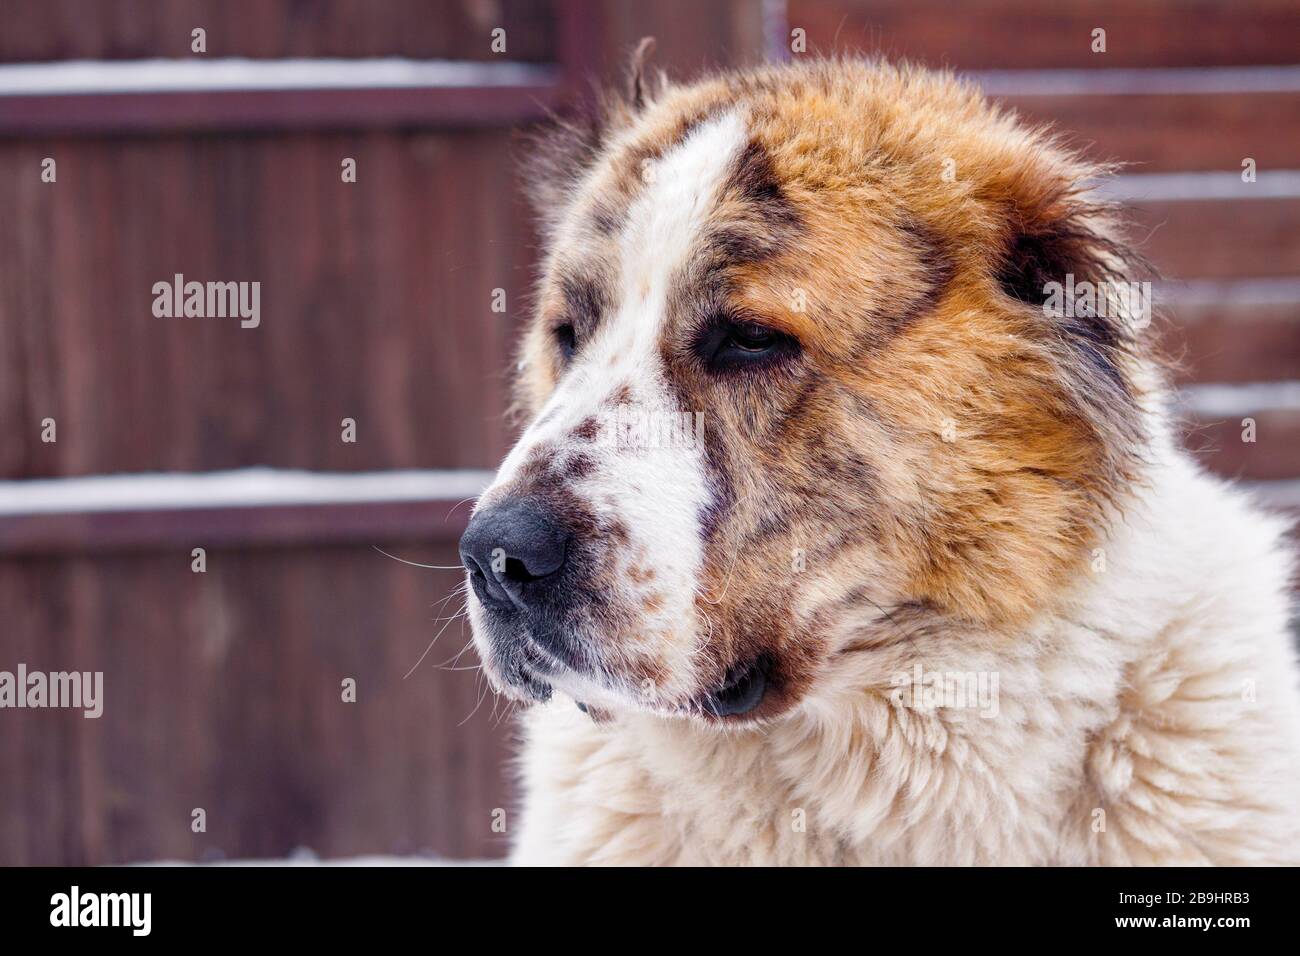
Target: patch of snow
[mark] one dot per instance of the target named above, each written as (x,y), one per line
(247,487)
(307,860)
(237,73)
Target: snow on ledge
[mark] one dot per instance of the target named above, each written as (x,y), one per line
(1213,400)
(1199,187)
(1142,81)
(248,487)
(309,860)
(236,73)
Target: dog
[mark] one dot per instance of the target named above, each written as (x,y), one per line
(831,539)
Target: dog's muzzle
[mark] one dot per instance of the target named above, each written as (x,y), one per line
(544,608)
(521,565)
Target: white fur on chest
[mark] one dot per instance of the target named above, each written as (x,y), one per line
(1154,720)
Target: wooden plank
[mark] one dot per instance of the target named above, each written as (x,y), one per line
(40,805)
(243,527)
(1232,334)
(376,298)
(581,50)
(36,30)
(279,110)
(1220,239)
(691,37)
(1274,454)
(1175,132)
(999,34)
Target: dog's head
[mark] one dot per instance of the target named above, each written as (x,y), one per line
(790,360)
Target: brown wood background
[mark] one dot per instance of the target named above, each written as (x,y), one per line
(223,689)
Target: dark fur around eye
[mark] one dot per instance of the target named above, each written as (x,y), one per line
(733,342)
(567,340)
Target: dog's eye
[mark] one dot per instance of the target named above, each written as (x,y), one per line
(567,340)
(733,343)
(751,337)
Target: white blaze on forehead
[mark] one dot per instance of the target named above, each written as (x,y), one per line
(656,490)
(664,222)
(663,226)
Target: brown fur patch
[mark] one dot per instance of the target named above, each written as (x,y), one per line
(588,429)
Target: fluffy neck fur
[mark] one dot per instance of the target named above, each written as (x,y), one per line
(1152,719)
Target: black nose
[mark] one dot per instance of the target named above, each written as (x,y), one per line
(513,552)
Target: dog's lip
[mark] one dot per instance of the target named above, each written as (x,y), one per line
(525,669)
(527,678)
(538,690)
(740,692)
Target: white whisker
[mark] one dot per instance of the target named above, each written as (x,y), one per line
(416,564)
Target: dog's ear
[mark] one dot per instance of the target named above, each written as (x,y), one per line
(1065,258)
(555,157)
(636,79)
(1064,252)
(561,151)
(1056,225)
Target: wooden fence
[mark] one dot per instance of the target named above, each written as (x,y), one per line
(224,688)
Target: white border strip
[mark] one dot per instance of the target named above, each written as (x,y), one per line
(307,858)
(1139,81)
(238,74)
(1230,401)
(1194,187)
(1240,292)
(248,487)
(1279,493)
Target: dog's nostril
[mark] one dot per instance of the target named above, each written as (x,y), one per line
(517,549)
(487,586)
(517,571)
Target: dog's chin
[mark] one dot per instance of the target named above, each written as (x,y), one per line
(529,688)
(528,675)
(737,698)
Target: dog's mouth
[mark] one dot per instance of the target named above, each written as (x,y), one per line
(740,692)
(538,690)
(525,670)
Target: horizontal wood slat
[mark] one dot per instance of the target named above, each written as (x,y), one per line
(1220,239)
(988,34)
(1231,337)
(1175,132)
(1274,454)
(376,302)
(280,110)
(230,527)
(37,30)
